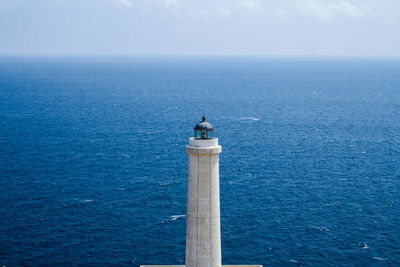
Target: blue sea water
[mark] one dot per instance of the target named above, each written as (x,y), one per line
(93,168)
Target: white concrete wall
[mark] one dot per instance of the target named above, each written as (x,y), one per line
(203,234)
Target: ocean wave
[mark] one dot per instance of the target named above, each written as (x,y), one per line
(118,188)
(175,217)
(365,246)
(380,259)
(86,200)
(248,119)
(321,228)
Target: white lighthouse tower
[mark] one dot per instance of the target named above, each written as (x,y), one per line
(203,228)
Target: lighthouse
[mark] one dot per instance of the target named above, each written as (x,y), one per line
(203,226)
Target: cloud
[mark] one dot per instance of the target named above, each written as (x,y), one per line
(250,4)
(347,8)
(330,9)
(353,27)
(317,9)
(224,11)
(171,2)
(126,3)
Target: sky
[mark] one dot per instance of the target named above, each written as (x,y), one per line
(368,28)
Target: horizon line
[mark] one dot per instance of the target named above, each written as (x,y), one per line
(193,55)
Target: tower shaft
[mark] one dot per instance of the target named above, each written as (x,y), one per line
(203,234)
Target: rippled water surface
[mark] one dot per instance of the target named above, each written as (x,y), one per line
(93,168)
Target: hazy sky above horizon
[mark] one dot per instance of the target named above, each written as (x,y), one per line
(206,27)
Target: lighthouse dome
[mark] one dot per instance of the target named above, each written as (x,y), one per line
(204,125)
(203,130)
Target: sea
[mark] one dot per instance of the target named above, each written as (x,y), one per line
(93,167)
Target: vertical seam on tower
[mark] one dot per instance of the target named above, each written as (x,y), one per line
(197,197)
(209,196)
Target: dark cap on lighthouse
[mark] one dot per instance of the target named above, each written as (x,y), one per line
(203,130)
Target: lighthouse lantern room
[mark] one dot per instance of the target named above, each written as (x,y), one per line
(203,130)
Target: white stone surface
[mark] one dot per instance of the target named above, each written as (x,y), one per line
(203,230)
(203,143)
